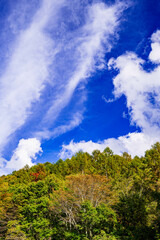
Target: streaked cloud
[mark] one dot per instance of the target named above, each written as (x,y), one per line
(88,46)
(48,55)
(26,74)
(72,123)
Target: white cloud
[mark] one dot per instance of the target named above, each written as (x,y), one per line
(92,41)
(31,63)
(42,56)
(24,154)
(154,55)
(27,72)
(133,143)
(142,92)
(110,100)
(141,89)
(74,122)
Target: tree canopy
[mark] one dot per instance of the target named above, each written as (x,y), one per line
(98,196)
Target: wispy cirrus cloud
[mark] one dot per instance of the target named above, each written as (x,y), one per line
(26,73)
(62,45)
(88,45)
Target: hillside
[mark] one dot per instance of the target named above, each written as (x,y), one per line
(99,196)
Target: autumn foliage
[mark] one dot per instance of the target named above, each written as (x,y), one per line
(99,196)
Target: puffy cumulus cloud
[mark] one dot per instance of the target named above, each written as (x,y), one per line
(24,154)
(72,148)
(142,92)
(154,55)
(133,143)
(141,89)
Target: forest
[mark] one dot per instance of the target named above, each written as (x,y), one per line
(102,196)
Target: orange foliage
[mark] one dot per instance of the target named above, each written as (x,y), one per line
(93,188)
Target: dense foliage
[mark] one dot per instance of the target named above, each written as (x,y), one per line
(100,196)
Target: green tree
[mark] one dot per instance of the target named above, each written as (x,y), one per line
(14,231)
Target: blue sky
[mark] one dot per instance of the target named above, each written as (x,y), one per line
(77,76)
